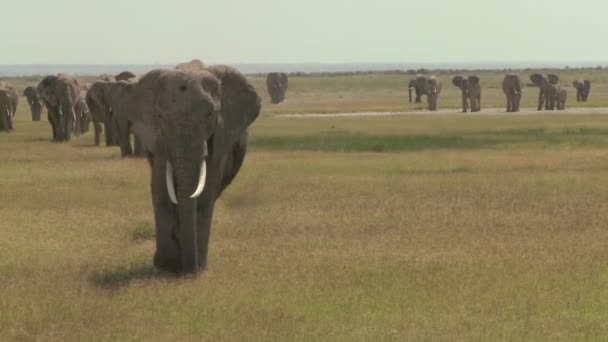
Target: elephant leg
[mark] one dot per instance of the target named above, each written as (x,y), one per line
(76,122)
(124,139)
(540,100)
(465,104)
(69,123)
(52,123)
(139,150)
(108,125)
(167,255)
(4,119)
(97,127)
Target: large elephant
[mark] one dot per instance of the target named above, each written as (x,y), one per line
(59,95)
(429,86)
(276,83)
(548,89)
(193,125)
(8,106)
(33,99)
(513,88)
(101,113)
(582,89)
(471,92)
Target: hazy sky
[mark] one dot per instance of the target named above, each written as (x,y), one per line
(284,31)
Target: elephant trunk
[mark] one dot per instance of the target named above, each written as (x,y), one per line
(186,177)
(410,93)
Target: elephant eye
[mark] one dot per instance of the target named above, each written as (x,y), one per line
(183,88)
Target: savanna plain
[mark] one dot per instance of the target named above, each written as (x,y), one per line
(439,227)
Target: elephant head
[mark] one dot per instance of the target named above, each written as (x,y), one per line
(277,83)
(193,126)
(60,94)
(34,102)
(513,88)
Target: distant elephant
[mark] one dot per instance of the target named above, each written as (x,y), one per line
(8,106)
(513,88)
(582,90)
(34,101)
(276,83)
(431,87)
(471,92)
(59,95)
(101,113)
(193,126)
(418,88)
(560,98)
(82,110)
(193,65)
(547,95)
(124,76)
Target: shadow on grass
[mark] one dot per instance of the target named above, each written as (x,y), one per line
(143,232)
(122,276)
(361,142)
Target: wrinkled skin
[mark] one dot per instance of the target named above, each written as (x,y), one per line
(34,101)
(101,113)
(193,65)
(277,83)
(429,86)
(124,76)
(547,95)
(8,106)
(471,92)
(59,95)
(183,119)
(582,90)
(513,88)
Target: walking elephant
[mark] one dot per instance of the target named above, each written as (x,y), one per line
(276,83)
(101,113)
(429,86)
(59,95)
(82,111)
(560,98)
(547,95)
(582,90)
(33,99)
(471,92)
(417,88)
(193,126)
(513,88)
(116,96)
(8,106)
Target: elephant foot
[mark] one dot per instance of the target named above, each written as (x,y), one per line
(167,263)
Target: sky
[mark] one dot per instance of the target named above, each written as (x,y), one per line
(302,31)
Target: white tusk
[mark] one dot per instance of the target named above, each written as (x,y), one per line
(170,184)
(201,180)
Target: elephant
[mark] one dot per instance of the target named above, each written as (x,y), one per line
(429,86)
(82,110)
(560,98)
(59,95)
(124,76)
(193,65)
(413,85)
(115,96)
(193,125)
(101,112)
(513,88)
(33,99)
(8,106)
(276,83)
(471,92)
(582,90)
(547,95)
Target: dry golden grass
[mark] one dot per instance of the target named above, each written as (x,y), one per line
(439,228)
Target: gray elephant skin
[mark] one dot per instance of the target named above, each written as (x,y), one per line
(34,101)
(513,88)
(101,113)
(429,86)
(471,92)
(583,87)
(276,84)
(59,95)
(193,125)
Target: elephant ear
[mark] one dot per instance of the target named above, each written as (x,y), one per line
(575,84)
(457,81)
(240,106)
(537,79)
(29,92)
(553,79)
(474,80)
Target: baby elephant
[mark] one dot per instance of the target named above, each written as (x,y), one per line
(277,83)
(471,92)
(33,99)
(582,90)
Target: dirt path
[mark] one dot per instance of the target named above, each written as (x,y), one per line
(488,111)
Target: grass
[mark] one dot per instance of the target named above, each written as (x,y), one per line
(447,227)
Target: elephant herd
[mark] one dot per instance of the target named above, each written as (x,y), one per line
(551,95)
